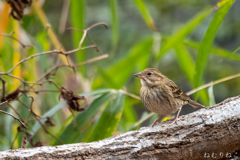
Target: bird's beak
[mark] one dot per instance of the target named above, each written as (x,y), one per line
(139,75)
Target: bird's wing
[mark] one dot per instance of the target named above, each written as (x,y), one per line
(178,93)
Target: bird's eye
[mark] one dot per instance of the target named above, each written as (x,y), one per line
(149,73)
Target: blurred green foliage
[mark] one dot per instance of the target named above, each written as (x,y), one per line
(191,42)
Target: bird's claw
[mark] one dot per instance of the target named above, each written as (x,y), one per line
(154,124)
(175,121)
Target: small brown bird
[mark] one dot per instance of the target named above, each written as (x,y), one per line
(161,95)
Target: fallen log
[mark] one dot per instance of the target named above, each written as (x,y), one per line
(212,133)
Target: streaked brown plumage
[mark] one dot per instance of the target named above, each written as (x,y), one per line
(161,95)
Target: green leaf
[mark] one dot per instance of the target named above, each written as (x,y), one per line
(187,64)
(129,115)
(86,134)
(207,41)
(108,80)
(182,33)
(110,118)
(8,120)
(99,91)
(215,50)
(78,20)
(52,111)
(114,19)
(144,117)
(138,56)
(211,96)
(69,135)
(95,94)
(153,118)
(235,50)
(145,14)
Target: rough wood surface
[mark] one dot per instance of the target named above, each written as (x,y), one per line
(211,133)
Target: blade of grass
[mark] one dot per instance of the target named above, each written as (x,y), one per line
(69,135)
(237,49)
(187,65)
(86,134)
(43,18)
(52,111)
(129,116)
(145,14)
(215,50)
(78,20)
(144,117)
(213,83)
(95,94)
(109,119)
(207,41)
(114,20)
(182,33)
(186,62)
(4,20)
(233,52)
(134,58)
(211,96)
(17,55)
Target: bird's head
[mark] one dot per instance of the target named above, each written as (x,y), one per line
(150,77)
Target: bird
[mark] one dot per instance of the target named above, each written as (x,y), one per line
(161,95)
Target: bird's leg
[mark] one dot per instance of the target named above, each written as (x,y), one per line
(156,121)
(176,119)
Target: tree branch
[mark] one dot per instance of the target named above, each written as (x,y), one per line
(209,132)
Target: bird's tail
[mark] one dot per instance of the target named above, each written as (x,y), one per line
(195,104)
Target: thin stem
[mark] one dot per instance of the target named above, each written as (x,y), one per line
(213,83)
(11,36)
(12,115)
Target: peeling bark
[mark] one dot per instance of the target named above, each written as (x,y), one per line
(211,133)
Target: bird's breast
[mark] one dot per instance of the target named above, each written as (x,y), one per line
(159,100)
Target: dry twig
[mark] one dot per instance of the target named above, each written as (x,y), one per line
(11,114)
(71,98)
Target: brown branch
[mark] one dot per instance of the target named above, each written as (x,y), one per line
(38,119)
(57,51)
(76,65)
(70,65)
(43,90)
(11,36)
(97,24)
(24,142)
(85,33)
(11,114)
(45,129)
(20,79)
(98,50)
(213,83)
(49,27)
(24,104)
(39,54)
(74,118)
(92,60)
(52,82)
(29,86)
(130,94)
(3,87)
(212,131)
(16,112)
(32,56)
(11,147)
(64,16)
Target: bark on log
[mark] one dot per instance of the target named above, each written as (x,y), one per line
(211,133)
